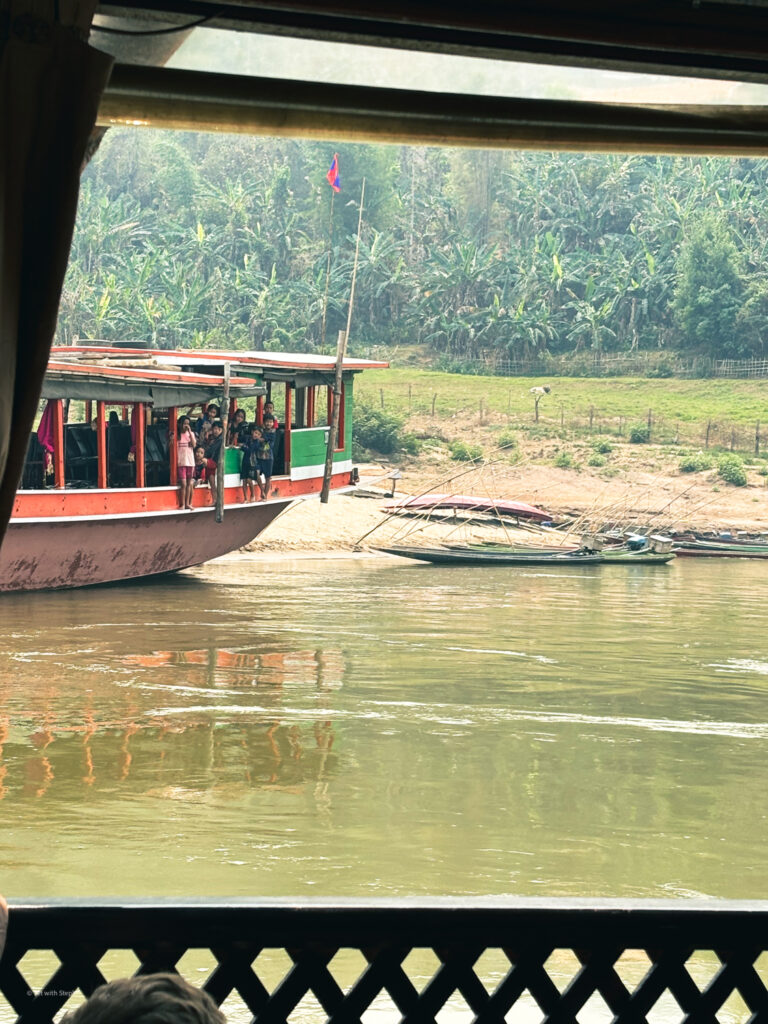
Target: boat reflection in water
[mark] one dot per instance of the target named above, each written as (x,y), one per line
(221,727)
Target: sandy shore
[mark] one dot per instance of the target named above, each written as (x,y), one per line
(665,500)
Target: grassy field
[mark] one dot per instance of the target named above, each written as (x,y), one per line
(681,411)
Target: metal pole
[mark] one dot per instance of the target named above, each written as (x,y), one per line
(220,469)
(327,271)
(354,266)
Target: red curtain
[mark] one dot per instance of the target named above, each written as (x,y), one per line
(50,85)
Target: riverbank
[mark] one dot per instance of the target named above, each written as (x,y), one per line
(643,487)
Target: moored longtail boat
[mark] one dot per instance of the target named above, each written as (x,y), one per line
(499,555)
(719,548)
(98,500)
(501,508)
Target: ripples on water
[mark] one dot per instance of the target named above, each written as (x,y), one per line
(366,727)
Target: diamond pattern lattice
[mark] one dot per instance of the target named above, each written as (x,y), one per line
(380,963)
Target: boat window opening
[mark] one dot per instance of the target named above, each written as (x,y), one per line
(113,463)
(300,409)
(321,408)
(341,434)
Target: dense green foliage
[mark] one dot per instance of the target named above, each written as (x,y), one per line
(639,434)
(696,463)
(376,430)
(461,451)
(191,239)
(731,469)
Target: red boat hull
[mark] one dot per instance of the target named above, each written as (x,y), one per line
(77,552)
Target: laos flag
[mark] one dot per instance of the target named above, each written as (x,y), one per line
(333,174)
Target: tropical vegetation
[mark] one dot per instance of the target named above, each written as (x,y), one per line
(188,239)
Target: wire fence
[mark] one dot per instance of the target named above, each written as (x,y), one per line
(643,364)
(502,408)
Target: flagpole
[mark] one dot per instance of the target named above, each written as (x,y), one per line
(337,386)
(354,267)
(327,269)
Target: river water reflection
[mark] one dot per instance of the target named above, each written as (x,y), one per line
(372,727)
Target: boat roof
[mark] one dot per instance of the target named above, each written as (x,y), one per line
(254,361)
(124,381)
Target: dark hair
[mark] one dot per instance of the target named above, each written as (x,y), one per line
(180,424)
(269,418)
(148,999)
(212,406)
(114,419)
(217,423)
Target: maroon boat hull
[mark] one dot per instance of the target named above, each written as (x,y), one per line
(45,554)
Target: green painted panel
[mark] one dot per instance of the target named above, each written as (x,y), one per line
(232,459)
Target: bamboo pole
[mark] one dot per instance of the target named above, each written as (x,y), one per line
(443,482)
(327,269)
(333,428)
(340,349)
(222,462)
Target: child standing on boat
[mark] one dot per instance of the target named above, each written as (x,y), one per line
(212,450)
(185,461)
(266,455)
(249,469)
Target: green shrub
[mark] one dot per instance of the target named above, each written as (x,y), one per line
(663,368)
(409,444)
(463,452)
(506,439)
(639,434)
(603,447)
(731,469)
(763,471)
(596,460)
(375,430)
(696,463)
(564,461)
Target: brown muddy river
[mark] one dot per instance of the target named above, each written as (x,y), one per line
(371,727)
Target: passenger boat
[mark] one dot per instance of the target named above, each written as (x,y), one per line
(108,508)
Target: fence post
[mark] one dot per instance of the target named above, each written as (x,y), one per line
(650,423)
(381,395)
(733,438)
(706,436)
(410,390)
(757,438)
(591,415)
(434,399)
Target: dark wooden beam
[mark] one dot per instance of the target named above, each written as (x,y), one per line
(699,38)
(208,102)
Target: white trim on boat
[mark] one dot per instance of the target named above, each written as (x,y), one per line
(310,472)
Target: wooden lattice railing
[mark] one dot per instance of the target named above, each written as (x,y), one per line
(444,961)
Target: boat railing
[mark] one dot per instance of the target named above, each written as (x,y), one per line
(486,960)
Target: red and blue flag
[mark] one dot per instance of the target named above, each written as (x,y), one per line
(333,174)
